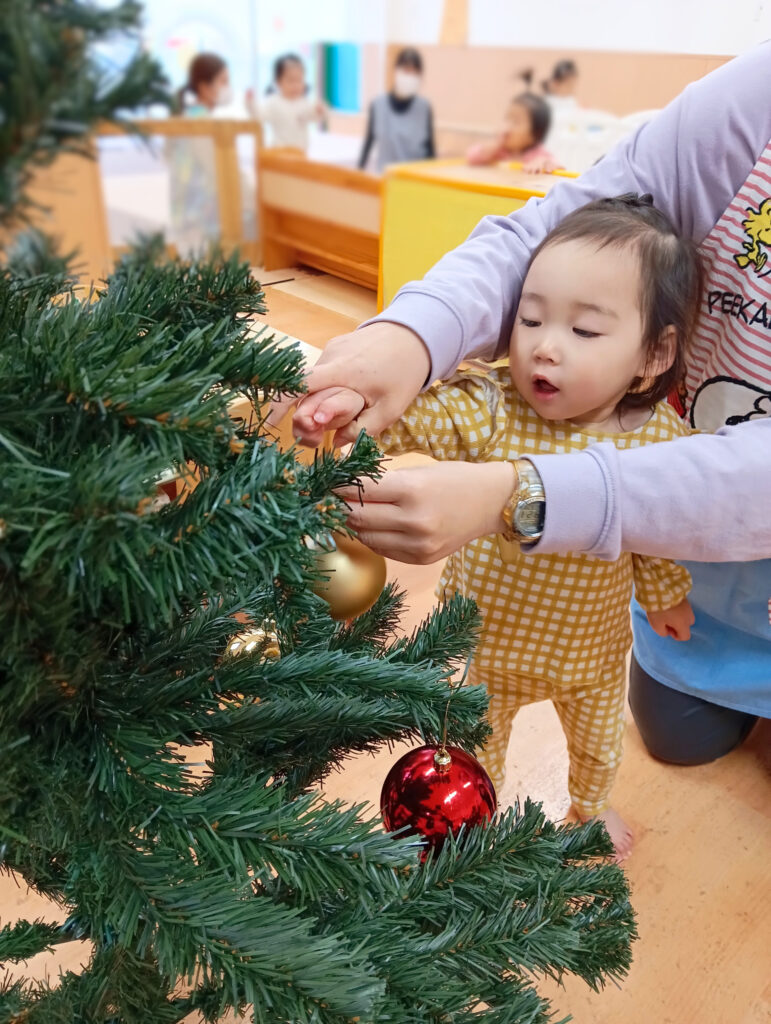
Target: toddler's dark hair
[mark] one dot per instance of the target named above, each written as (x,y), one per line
(539,113)
(671,278)
(281,63)
(562,69)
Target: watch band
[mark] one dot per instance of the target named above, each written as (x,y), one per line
(524,512)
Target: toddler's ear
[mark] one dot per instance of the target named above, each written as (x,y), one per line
(664,356)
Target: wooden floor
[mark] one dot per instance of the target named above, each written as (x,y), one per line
(701,868)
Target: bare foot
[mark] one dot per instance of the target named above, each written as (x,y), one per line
(618,830)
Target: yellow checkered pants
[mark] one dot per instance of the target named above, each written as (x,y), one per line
(592,719)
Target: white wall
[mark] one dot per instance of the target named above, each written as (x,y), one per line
(413,22)
(658,26)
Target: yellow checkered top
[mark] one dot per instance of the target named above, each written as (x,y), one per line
(560,619)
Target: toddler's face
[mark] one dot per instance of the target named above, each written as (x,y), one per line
(577,339)
(564,87)
(519,130)
(291,85)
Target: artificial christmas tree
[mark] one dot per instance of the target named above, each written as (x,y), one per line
(157,774)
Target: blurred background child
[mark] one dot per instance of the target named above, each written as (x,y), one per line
(401,123)
(195,218)
(561,85)
(526,126)
(288,109)
(207,87)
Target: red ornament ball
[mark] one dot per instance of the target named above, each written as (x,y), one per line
(435,791)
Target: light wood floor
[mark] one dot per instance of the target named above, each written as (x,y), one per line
(701,868)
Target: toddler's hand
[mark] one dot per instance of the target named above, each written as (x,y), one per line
(674,622)
(328,409)
(540,165)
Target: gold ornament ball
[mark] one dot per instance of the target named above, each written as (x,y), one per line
(262,641)
(356,577)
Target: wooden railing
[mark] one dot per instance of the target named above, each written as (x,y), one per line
(319,214)
(223,134)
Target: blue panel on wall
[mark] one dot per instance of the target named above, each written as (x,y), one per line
(342,77)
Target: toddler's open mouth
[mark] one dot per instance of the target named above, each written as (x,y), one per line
(544,388)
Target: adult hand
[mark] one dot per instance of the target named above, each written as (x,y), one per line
(387,364)
(422,513)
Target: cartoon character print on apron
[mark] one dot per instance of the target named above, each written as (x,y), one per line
(728,382)
(729,375)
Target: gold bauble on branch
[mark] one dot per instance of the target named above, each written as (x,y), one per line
(262,640)
(356,576)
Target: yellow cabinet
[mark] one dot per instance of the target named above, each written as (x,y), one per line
(431,206)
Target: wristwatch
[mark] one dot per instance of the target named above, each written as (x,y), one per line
(525,511)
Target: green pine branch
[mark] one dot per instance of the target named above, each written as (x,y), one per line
(54,89)
(26,939)
(226,884)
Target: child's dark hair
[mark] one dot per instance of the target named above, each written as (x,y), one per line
(671,277)
(280,64)
(203,69)
(409,58)
(539,113)
(562,70)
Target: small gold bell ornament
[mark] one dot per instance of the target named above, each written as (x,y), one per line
(356,575)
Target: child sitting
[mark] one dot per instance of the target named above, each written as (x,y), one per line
(526,126)
(607,307)
(288,109)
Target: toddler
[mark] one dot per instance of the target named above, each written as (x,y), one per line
(562,83)
(527,125)
(606,310)
(288,110)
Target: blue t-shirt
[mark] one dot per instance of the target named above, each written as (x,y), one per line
(728,658)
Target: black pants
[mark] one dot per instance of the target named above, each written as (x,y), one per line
(682,729)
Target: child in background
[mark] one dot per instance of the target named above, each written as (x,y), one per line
(610,299)
(527,124)
(288,109)
(207,87)
(560,87)
(400,124)
(195,218)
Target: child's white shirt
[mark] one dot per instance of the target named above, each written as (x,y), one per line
(288,119)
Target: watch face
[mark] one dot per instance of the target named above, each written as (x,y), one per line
(529,517)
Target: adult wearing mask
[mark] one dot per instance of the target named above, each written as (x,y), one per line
(400,124)
(706,159)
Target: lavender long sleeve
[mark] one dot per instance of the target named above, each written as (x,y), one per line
(703,498)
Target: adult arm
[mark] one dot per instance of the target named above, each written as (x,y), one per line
(705,498)
(692,158)
(369,138)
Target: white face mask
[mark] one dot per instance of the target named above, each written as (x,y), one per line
(406,83)
(225,96)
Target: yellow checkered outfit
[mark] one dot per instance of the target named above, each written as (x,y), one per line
(556,627)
